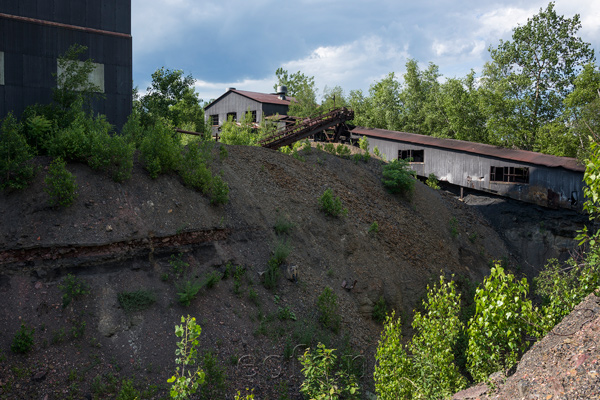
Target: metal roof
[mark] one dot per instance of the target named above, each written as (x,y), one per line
(529,157)
(260,97)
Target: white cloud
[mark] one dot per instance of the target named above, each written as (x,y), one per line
(212,90)
(353,65)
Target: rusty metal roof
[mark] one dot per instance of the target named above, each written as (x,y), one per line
(260,97)
(529,157)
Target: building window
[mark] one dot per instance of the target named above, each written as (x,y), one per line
(232,116)
(509,174)
(413,156)
(95,77)
(214,119)
(253,116)
(1,68)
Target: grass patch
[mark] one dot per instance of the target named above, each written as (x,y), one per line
(138,300)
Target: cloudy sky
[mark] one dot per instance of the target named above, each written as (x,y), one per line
(350,43)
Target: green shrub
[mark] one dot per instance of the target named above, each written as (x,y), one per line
(322,381)
(60,184)
(283,225)
(342,150)
(281,252)
(194,171)
(436,333)
(138,300)
(393,366)
(16,169)
(398,177)
(177,264)
(211,280)
(23,340)
(432,181)
(379,154)
(374,228)
(113,155)
(563,286)
(284,313)
(128,391)
(186,380)
(328,308)
(502,319)
(379,310)
(253,297)
(160,149)
(332,205)
(219,192)
(453,227)
(187,291)
(73,288)
(214,385)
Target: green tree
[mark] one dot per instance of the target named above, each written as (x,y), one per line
(437,330)
(393,368)
(302,89)
(383,105)
(188,375)
(530,76)
(583,110)
(503,316)
(16,169)
(172,96)
(333,98)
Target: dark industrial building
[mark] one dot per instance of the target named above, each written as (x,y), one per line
(537,178)
(234,104)
(34,33)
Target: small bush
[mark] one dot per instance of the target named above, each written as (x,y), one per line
(432,181)
(282,250)
(212,279)
(253,297)
(284,313)
(128,391)
(138,300)
(160,149)
(342,151)
(113,155)
(219,192)
(16,170)
(398,177)
(374,228)
(187,291)
(379,310)
(194,171)
(283,225)
(214,385)
(453,227)
(73,288)
(332,205)
(23,340)
(60,184)
(177,264)
(329,310)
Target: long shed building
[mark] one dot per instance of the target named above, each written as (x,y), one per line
(34,33)
(537,178)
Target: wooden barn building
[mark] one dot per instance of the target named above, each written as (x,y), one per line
(34,33)
(537,178)
(234,104)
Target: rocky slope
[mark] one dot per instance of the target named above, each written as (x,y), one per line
(123,237)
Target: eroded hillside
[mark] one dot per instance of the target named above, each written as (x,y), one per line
(122,237)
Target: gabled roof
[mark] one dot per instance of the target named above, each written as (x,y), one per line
(269,98)
(529,157)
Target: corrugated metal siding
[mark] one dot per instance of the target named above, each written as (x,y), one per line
(31,51)
(110,15)
(547,186)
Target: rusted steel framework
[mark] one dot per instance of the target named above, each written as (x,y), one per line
(307,127)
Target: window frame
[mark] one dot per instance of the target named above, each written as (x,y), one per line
(410,155)
(509,174)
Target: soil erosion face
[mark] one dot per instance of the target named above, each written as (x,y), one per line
(154,235)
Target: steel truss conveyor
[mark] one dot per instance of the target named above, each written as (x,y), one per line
(307,127)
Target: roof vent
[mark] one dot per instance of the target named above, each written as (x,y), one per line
(281,92)
(229,89)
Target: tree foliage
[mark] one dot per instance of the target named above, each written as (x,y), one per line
(172,96)
(302,89)
(531,75)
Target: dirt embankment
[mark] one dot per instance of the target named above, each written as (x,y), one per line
(121,237)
